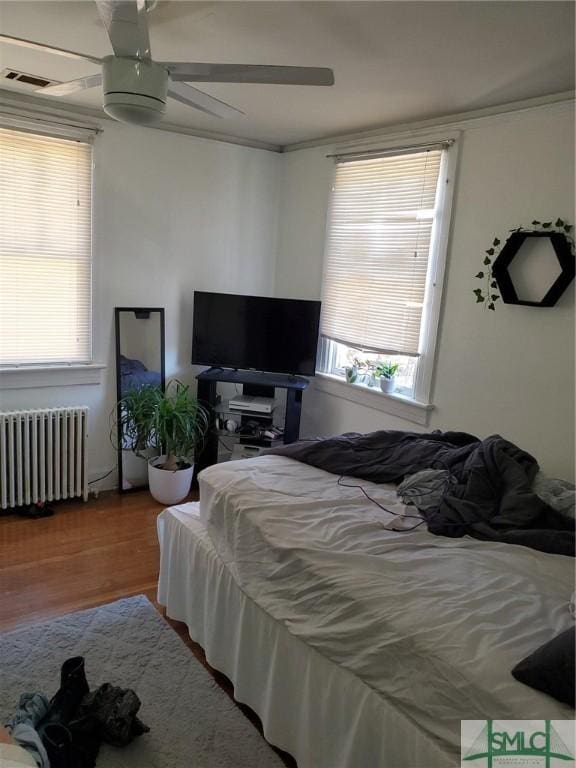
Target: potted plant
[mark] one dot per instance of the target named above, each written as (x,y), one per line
(173,423)
(386,372)
(351,374)
(371,377)
(352,371)
(136,409)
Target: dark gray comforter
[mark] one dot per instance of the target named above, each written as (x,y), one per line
(490,496)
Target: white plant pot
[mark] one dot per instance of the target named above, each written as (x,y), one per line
(352,374)
(387,385)
(168,486)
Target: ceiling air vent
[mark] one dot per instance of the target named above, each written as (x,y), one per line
(33,81)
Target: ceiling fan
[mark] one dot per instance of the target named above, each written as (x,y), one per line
(136,87)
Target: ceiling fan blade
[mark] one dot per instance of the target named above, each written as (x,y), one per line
(48,48)
(72,86)
(192,97)
(127,26)
(248,73)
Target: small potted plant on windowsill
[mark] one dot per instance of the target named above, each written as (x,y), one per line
(353,371)
(386,372)
(173,423)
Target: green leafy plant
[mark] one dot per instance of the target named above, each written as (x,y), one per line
(386,370)
(488,295)
(358,368)
(172,422)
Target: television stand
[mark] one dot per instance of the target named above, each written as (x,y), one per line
(253,383)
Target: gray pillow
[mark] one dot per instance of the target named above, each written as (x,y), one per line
(558,494)
(424,489)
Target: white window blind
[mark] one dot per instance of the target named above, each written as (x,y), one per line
(45,249)
(380,229)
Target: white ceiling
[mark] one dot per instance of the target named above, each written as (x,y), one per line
(393,61)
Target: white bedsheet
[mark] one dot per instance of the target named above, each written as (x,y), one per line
(433,625)
(325,716)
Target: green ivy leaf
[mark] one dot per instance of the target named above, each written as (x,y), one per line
(479,298)
(493,284)
(567,227)
(494,296)
(480,274)
(496,241)
(536,223)
(546,225)
(487,260)
(490,251)
(491,306)
(559,223)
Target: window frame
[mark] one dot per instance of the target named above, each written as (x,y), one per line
(57,373)
(416,407)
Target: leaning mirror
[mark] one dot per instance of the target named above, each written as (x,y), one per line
(139,366)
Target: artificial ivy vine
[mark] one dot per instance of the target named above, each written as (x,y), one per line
(488,295)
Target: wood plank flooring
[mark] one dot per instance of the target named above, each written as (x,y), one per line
(87,554)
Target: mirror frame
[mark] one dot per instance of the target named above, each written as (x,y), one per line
(117,317)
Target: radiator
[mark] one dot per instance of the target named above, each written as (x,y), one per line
(43,456)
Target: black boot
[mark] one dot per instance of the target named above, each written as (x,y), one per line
(66,701)
(73,676)
(86,740)
(76,746)
(57,741)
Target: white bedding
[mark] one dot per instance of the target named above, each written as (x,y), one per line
(323,715)
(433,625)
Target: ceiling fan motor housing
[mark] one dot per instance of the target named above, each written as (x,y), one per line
(135,91)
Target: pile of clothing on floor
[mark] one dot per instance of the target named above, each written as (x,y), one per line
(68,730)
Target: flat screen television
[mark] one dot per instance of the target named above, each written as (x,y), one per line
(254,332)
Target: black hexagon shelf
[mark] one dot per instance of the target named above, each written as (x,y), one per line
(512,246)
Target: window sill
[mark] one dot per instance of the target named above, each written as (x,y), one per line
(33,376)
(395,404)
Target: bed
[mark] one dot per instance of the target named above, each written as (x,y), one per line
(357,645)
(134,375)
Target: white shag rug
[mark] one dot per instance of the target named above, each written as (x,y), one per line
(193,723)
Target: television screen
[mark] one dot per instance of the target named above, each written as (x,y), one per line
(276,335)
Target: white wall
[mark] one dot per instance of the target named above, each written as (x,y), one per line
(172,214)
(140,339)
(509,371)
(175,213)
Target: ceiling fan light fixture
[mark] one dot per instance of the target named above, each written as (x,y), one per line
(134,91)
(136,110)
(136,87)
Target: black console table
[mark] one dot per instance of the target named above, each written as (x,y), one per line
(255,384)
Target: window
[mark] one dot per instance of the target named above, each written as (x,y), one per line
(45,249)
(386,236)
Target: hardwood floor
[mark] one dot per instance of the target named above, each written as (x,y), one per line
(87,554)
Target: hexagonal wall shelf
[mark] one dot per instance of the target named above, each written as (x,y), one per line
(510,250)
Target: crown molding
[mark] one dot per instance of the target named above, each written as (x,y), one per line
(50,109)
(453,121)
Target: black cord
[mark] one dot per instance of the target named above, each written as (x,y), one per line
(430,516)
(385,509)
(97,480)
